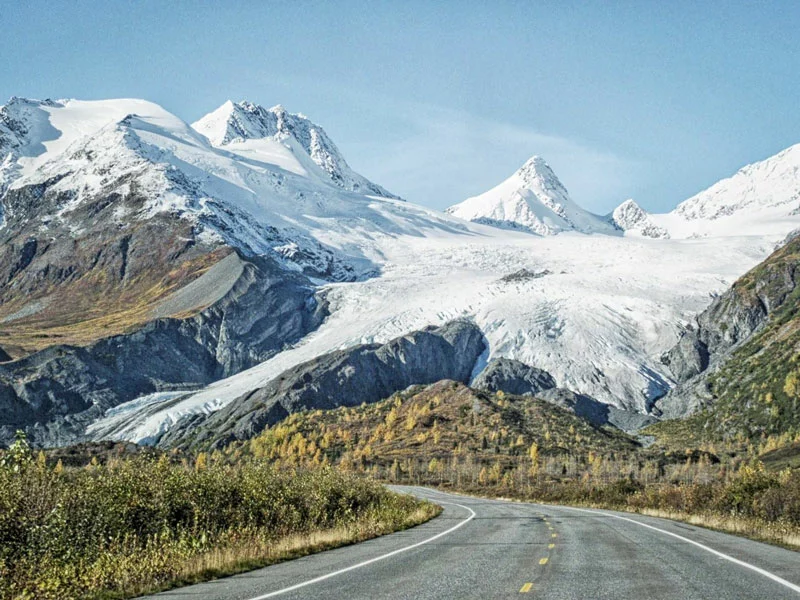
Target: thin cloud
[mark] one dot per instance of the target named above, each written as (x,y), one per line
(440,157)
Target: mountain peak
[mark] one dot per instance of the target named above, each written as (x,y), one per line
(535,162)
(232,124)
(633,219)
(532,199)
(537,174)
(772,183)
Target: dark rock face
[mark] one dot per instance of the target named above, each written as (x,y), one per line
(56,392)
(517,378)
(513,377)
(583,406)
(524,275)
(689,357)
(365,373)
(730,320)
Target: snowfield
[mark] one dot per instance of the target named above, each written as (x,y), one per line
(595,305)
(598,322)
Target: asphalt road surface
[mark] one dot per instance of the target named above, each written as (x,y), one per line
(487,549)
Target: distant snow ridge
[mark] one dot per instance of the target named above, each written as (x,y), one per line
(233,124)
(633,219)
(770,183)
(532,199)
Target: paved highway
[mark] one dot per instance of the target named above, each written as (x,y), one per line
(486,549)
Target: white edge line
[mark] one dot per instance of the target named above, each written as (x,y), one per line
(741,563)
(372,560)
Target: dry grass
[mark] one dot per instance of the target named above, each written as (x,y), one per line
(84,311)
(755,529)
(254,553)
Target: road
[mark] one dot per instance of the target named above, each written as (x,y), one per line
(487,549)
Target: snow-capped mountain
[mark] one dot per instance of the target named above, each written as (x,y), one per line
(126,232)
(532,199)
(771,183)
(205,231)
(634,220)
(283,138)
(756,200)
(260,194)
(759,199)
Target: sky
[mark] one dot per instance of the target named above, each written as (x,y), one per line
(439,101)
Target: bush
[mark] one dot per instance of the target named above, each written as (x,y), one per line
(135,524)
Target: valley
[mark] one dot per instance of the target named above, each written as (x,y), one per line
(230,298)
(511,309)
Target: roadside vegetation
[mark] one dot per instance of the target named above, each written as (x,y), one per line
(115,520)
(142,523)
(449,436)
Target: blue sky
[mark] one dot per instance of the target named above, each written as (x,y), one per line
(438,101)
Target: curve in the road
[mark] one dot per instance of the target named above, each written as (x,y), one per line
(492,549)
(741,563)
(441,534)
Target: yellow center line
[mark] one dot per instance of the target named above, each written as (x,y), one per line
(551,546)
(543,561)
(554,535)
(526,588)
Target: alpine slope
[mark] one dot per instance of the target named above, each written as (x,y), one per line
(594,300)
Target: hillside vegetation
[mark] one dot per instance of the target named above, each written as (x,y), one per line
(450,436)
(427,428)
(756,389)
(84,295)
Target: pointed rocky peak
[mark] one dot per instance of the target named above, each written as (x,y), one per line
(628,215)
(632,218)
(536,172)
(239,121)
(233,123)
(533,199)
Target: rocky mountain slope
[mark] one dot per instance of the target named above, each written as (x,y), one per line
(358,375)
(135,257)
(633,219)
(434,424)
(738,365)
(516,378)
(760,198)
(55,393)
(251,131)
(768,184)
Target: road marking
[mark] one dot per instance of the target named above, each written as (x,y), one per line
(543,561)
(741,563)
(551,546)
(372,560)
(554,535)
(526,588)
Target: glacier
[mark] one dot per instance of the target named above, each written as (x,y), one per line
(609,302)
